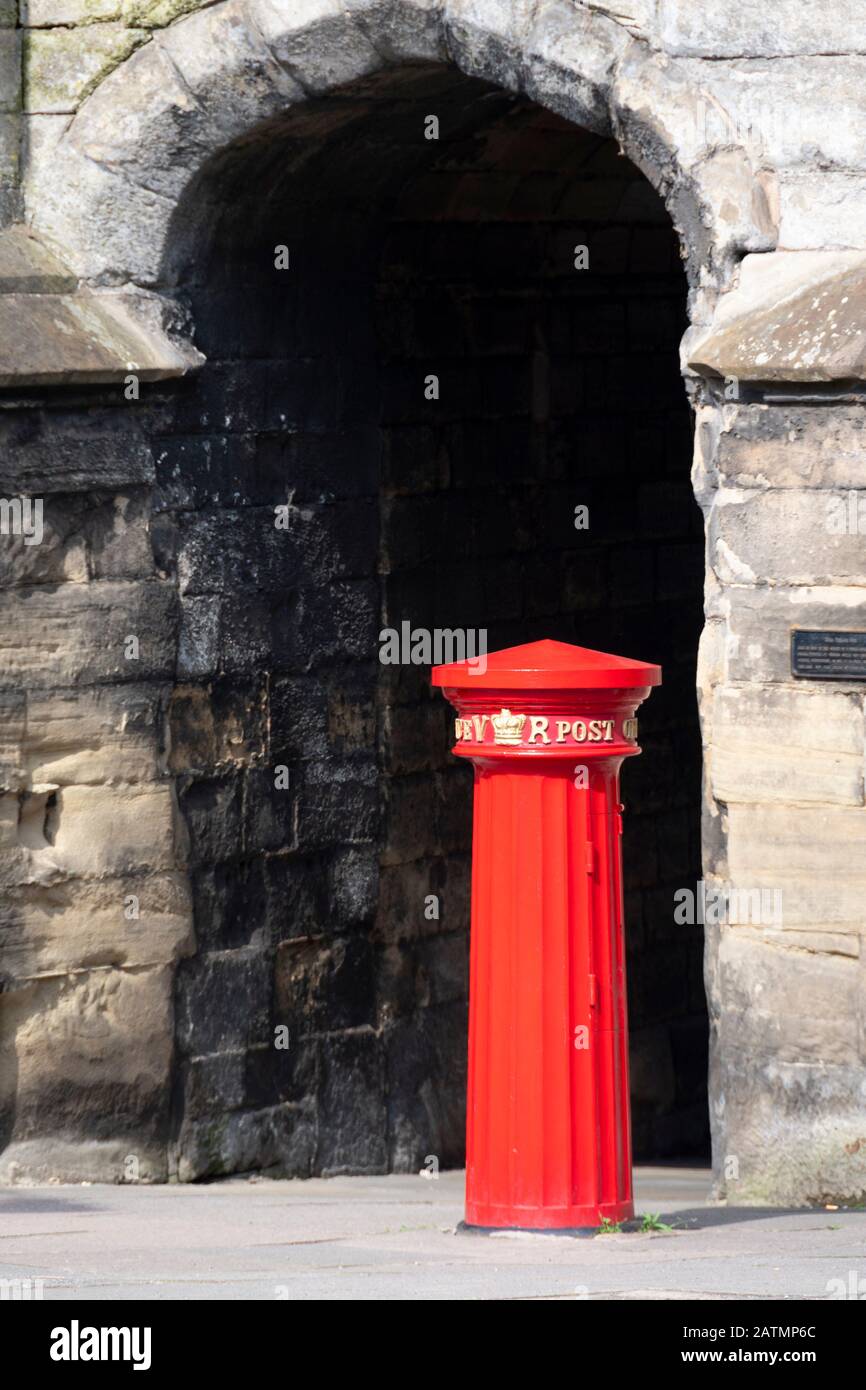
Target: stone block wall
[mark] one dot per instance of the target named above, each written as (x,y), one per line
(303,905)
(10,113)
(96,903)
(785,807)
(749,121)
(385,529)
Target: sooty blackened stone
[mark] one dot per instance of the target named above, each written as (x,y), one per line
(296,896)
(299,717)
(352,1106)
(283,1074)
(426,1112)
(213,810)
(224,1001)
(280,1139)
(320,468)
(336,811)
(100,449)
(197,471)
(230,903)
(269,811)
(213,1084)
(239,551)
(346,895)
(324,984)
(354,885)
(334,621)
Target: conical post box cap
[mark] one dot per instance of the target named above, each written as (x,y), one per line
(547,665)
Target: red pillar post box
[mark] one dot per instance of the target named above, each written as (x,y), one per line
(547,725)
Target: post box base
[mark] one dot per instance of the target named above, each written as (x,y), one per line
(574,1232)
(555,1220)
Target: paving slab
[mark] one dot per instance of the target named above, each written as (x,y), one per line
(396,1238)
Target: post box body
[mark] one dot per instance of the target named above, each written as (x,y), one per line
(547,726)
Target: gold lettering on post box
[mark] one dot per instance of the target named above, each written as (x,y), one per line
(538,724)
(601,731)
(508,729)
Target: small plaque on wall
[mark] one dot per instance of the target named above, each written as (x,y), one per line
(828,656)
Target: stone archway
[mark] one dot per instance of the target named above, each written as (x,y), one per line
(135,147)
(214,76)
(408,256)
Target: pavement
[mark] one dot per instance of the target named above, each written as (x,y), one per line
(394,1238)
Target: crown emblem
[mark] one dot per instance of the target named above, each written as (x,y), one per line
(507,727)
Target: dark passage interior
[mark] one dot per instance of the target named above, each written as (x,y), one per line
(448,505)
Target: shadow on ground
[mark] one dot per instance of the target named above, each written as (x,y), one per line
(702,1218)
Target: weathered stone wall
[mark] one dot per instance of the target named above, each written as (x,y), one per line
(10,113)
(308,901)
(706,92)
(90,824)
(749,120)
(785,800)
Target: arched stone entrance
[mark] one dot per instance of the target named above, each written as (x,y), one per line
(445,508)
(212,77)
(139,152)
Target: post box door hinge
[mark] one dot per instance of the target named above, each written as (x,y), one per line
(593,992)
(590,859)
